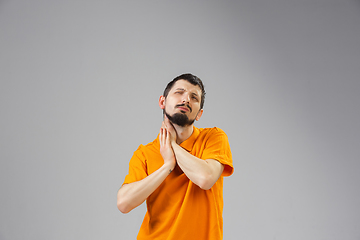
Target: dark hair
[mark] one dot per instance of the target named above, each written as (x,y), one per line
(194,80)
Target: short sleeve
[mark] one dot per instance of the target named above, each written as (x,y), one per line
(137,167)
(217,147)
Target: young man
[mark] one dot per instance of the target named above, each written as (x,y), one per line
(180,174)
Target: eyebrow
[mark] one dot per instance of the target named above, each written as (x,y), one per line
(195,94)
(182,89)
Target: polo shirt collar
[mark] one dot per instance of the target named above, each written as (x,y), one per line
(189,143)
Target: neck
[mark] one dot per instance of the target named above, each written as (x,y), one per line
(183,133)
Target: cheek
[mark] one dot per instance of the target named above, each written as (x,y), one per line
(194,113)
(167,107)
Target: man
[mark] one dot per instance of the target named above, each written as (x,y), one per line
(180,174)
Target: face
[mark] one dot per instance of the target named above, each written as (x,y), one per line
(182,104)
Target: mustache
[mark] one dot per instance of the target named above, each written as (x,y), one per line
(184,105)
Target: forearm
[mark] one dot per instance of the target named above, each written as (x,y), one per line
(203,173)
(133,194)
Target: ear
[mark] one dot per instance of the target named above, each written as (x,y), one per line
(162,102)
(198,116)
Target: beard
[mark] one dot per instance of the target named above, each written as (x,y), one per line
(180,119)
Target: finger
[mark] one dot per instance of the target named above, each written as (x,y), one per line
(164,136)
(167,137)
(168,123)
(160,136)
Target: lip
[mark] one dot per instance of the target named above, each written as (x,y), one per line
(184,109)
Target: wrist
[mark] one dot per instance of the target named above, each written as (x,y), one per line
(173,143)
(169,166)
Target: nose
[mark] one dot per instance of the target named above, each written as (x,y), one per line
(186,98)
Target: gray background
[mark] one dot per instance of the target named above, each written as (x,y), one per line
(80,82)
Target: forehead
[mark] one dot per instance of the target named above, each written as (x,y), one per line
(185,85)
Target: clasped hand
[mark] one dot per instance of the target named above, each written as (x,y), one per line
(167,136)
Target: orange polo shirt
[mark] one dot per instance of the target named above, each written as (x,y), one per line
(178,209)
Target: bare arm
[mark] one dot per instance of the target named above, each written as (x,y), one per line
(133,194)
(203,173)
